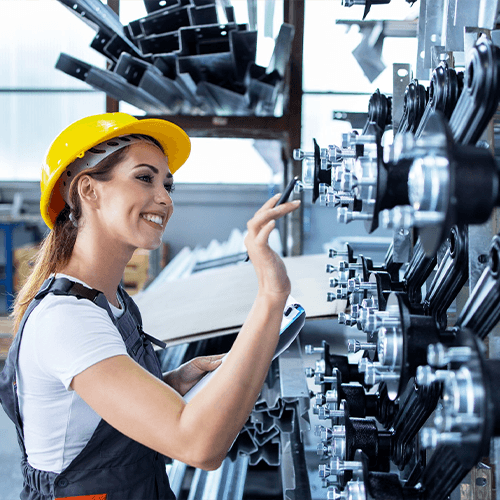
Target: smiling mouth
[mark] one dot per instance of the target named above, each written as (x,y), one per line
(156,219)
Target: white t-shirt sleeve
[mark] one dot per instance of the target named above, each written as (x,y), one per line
(72,335)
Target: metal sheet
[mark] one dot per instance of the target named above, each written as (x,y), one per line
(401,76)
(488,14)
(282,50)
(224,101)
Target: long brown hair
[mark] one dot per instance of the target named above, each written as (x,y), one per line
(56,249)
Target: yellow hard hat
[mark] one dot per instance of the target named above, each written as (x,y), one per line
(88,132)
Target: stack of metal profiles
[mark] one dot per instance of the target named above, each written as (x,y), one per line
(273,434)
(181,59)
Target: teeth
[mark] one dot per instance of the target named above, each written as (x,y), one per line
(157,219)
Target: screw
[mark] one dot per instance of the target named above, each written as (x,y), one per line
(344,265)
(309,372)
(320,399)
(431,438)
(299,154)
(363,363)
(426,375)
(334,493)
(323,450)
(331,297)
(325,412)
(334,282)
(438,355)
(332,397)
(346,182)
(344,216)
(354,345)
(356,285)
(345,319)
(309,349)
(374,376)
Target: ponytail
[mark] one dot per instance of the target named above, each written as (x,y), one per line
(53,255)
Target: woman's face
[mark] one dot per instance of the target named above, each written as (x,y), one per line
(134,207)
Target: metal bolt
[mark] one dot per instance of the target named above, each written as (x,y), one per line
(334,154)
(325,412)
(327,200)
(426,375)
(344,265)
(406,217)
(299,154)
(373,375)
(334,493)
(346,182)
(438,355)
(326,434)
(356,285)
(431,438)
(332,397)
(323,450)
(319,399)
(354,345)
(341,465)
(344,216)
(334,282)
(341,293)
(331,297)
(346,319)
(309,349)
(362,365)
(309,372)
(355,310)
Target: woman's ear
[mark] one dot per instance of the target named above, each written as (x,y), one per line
(86,189)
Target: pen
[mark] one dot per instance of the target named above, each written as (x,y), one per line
(283,199)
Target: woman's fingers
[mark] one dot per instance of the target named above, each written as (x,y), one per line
(262,217)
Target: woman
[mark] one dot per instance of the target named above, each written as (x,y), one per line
(93,411)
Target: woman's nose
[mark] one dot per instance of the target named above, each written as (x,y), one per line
(163,197)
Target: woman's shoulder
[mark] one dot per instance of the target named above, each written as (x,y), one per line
(67,310)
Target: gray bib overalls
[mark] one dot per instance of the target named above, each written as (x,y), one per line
(111,466)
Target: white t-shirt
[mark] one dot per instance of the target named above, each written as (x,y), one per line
(62,337)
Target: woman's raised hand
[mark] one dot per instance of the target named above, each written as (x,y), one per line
(270,269)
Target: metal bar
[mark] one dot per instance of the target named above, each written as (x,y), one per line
(176,476)
(396,29)
(43,90)
(294,473)
(113,105)
(233,487)
(294,14)
(400,79)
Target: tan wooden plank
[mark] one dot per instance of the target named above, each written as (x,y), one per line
(207,304)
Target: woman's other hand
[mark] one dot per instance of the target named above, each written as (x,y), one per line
(188,374)
(270,269)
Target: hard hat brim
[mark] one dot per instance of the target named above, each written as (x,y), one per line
(174,141)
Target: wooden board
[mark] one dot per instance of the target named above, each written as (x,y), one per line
(216,302)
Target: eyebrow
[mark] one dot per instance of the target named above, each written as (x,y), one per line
(154,169)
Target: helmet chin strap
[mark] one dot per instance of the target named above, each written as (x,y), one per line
(95,155)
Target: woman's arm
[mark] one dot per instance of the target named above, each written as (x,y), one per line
(190,373)
(200,433)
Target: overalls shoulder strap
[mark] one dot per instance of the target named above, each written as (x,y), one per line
(111,466)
